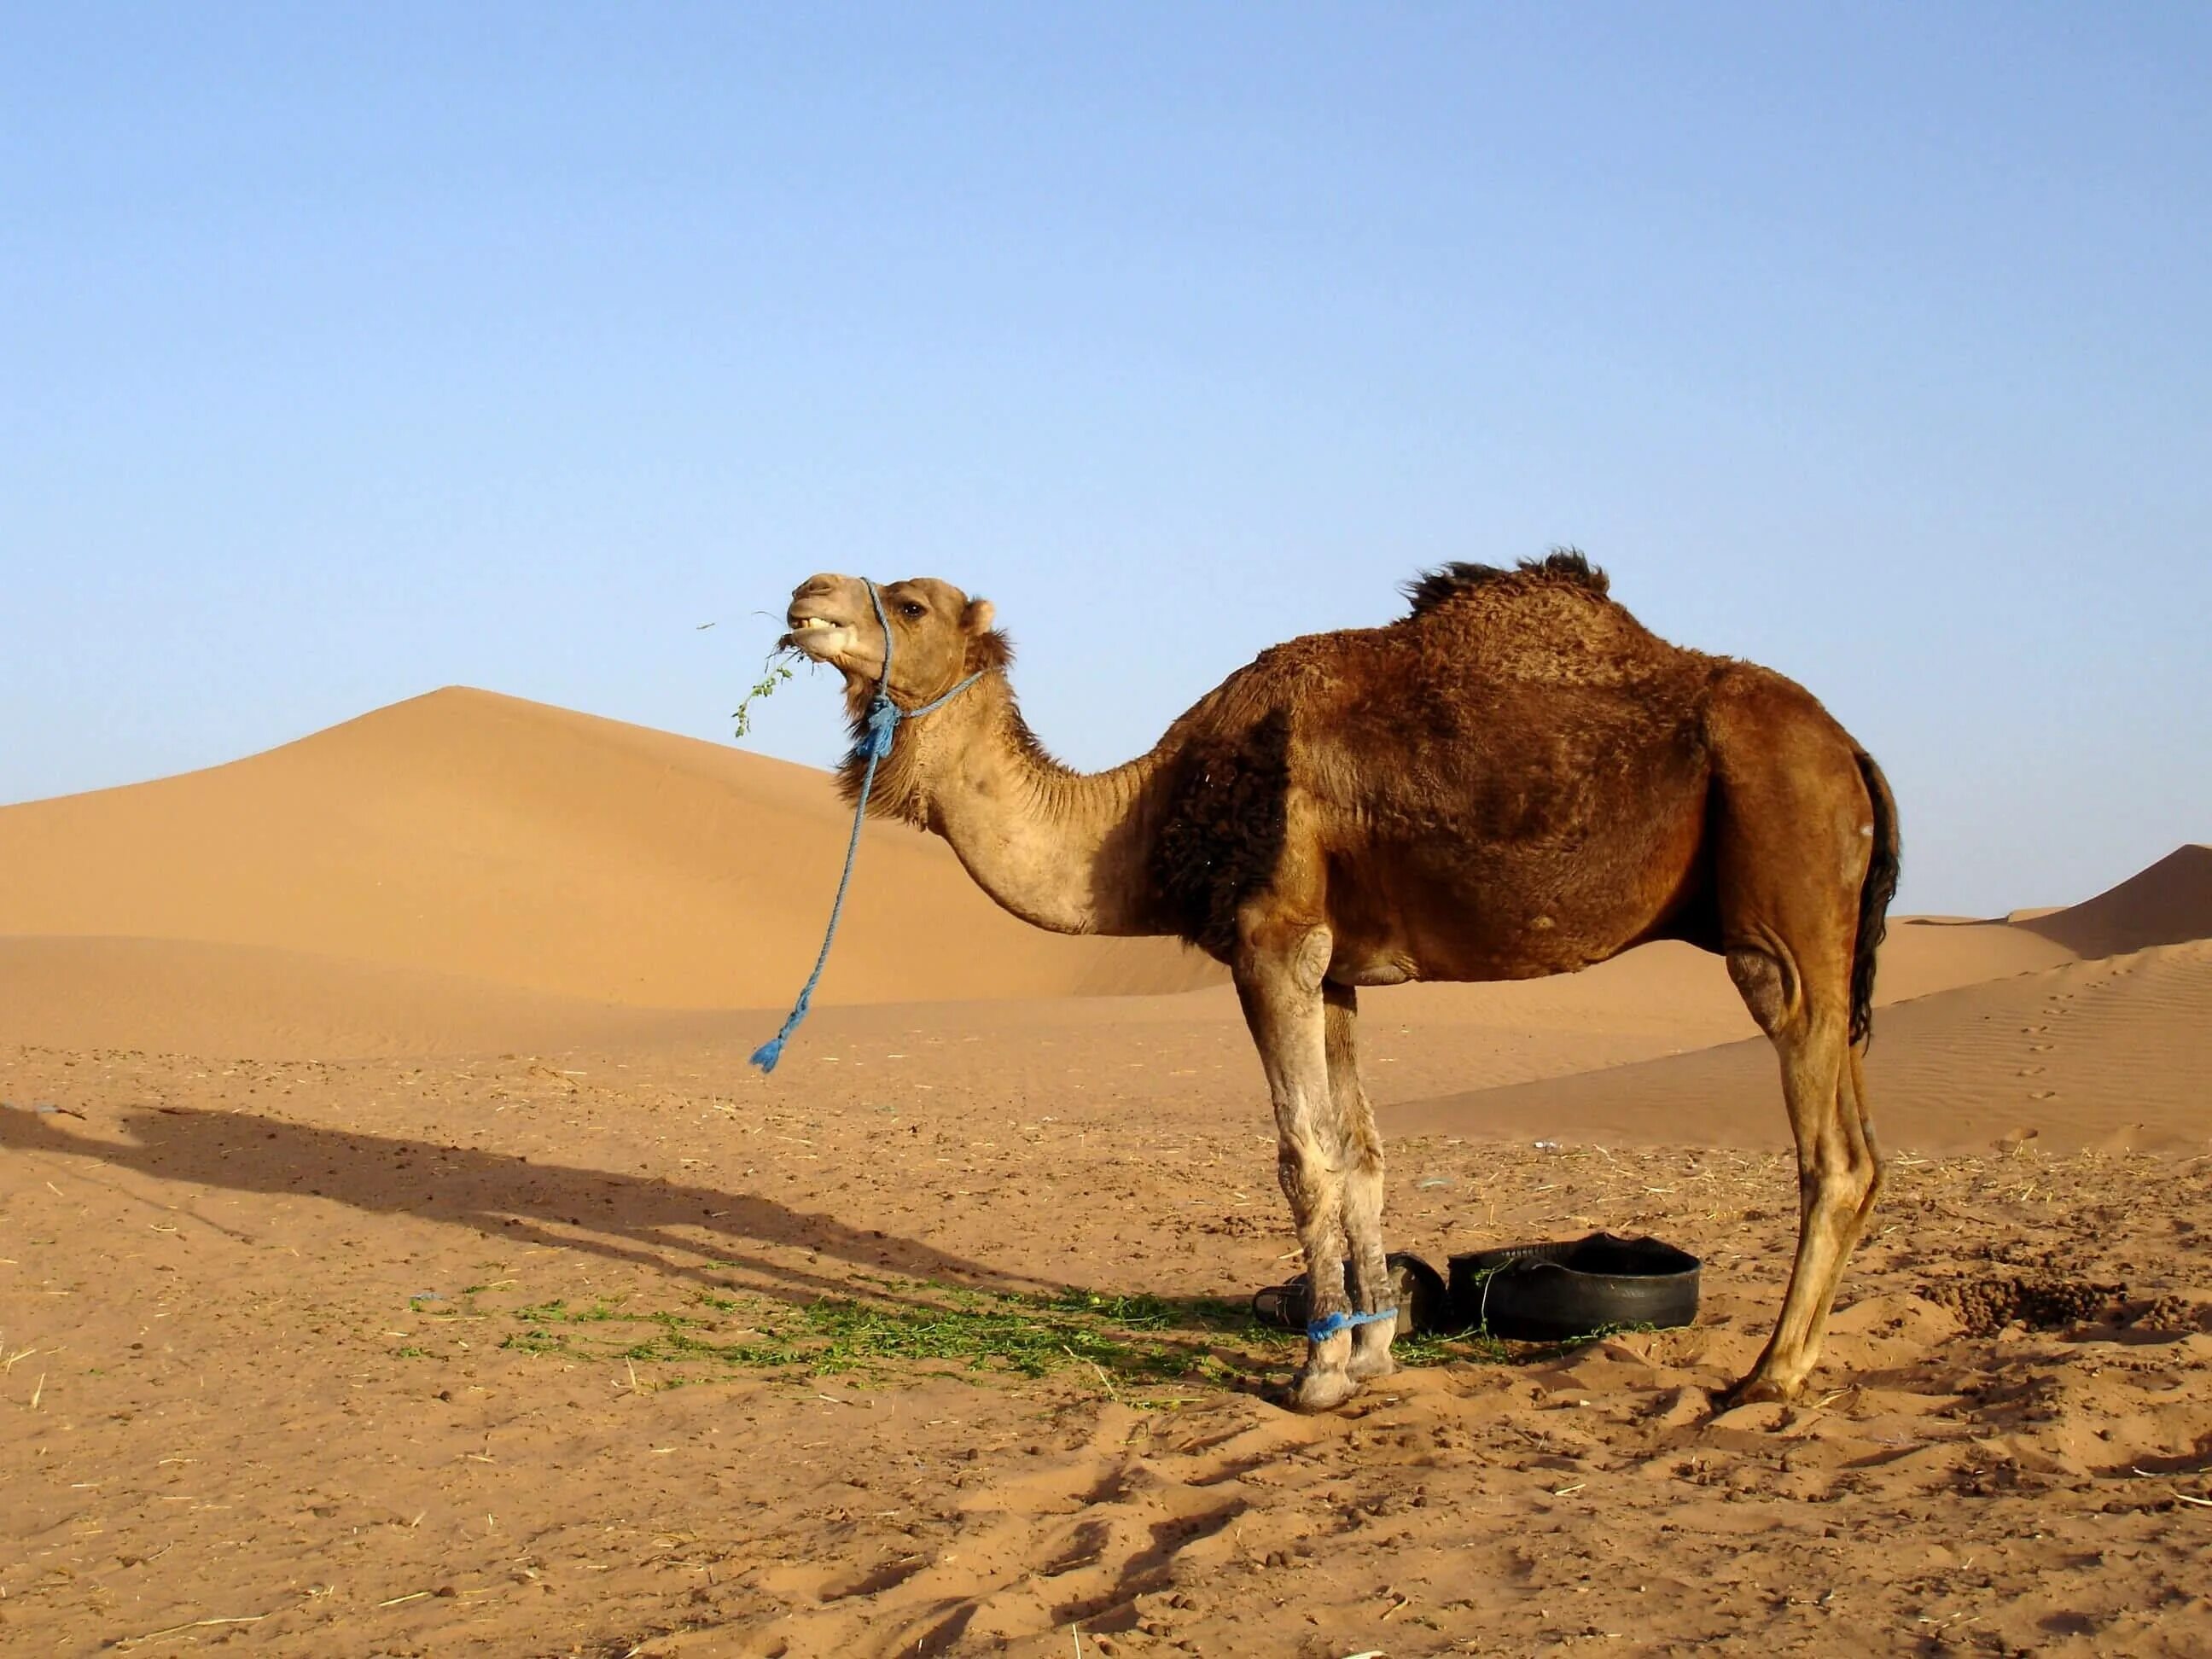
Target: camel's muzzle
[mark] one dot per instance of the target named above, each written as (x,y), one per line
(816,631)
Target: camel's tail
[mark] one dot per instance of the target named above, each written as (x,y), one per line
(1874,895)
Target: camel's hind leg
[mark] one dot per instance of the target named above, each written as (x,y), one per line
(1362,1148)
(1795,838)
(1837,1171)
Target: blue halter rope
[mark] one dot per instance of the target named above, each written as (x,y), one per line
(875,743)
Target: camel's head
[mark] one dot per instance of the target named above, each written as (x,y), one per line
(938,634)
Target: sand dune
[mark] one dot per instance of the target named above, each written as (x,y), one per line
(2167,903)
(2109,1052)
(1921,957)
(468,833)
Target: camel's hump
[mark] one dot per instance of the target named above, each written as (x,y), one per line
(1562,566)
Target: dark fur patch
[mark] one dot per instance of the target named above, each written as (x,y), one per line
(1561,564)
(1221,839)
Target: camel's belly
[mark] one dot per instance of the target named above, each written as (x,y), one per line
(1495,914)
(1539,950)
(1373,970)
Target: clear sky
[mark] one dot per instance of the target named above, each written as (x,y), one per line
(348,351)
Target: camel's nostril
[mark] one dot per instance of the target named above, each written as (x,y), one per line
(815,585)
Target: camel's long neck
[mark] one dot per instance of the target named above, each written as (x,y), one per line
(1063,850)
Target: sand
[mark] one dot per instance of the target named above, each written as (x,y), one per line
(329,1071)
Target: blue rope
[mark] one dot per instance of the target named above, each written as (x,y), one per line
(1321,1330)
(875,742)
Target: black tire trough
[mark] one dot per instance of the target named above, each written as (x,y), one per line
(1557,1292)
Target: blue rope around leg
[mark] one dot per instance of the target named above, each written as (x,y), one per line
(875,743)
(1321,1330)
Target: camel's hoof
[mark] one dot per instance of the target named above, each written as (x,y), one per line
(1754,1390)
(1317,1391)
(1365,1365)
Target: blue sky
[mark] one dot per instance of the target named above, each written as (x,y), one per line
(348,352)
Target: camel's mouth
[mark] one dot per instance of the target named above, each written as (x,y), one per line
(825,639)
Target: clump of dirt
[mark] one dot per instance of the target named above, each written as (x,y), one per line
(2176,1314)
(1984,1306)
(1237,1227)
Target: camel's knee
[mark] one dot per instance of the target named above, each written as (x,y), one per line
(1867,1169)
(1837,1165)
(1840,1191)
(1877,1178)
(1301,948)
(1835,1198)
(1862,1164)
(1308,959)
(1306,1178)
(1362,1156)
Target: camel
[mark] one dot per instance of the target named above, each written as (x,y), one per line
(1514,778)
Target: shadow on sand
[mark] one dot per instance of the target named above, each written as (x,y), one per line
(696,1233)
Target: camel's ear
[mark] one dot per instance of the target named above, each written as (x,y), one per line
(979,617)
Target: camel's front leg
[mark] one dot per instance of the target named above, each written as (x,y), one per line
(1363,1186)
(1279,979)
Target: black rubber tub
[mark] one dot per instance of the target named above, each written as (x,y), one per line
(1555,1292)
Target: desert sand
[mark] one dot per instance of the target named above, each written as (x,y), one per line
(397,1256)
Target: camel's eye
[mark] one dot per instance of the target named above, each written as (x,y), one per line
(913,609)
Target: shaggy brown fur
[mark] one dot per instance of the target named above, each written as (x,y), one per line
(1565,564)
(1515,778)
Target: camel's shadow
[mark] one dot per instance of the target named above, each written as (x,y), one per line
(700,1234)
(903,1289)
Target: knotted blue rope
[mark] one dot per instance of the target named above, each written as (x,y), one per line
(1319,1330)
(875,742)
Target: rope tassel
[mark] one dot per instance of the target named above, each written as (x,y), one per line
(875,741)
